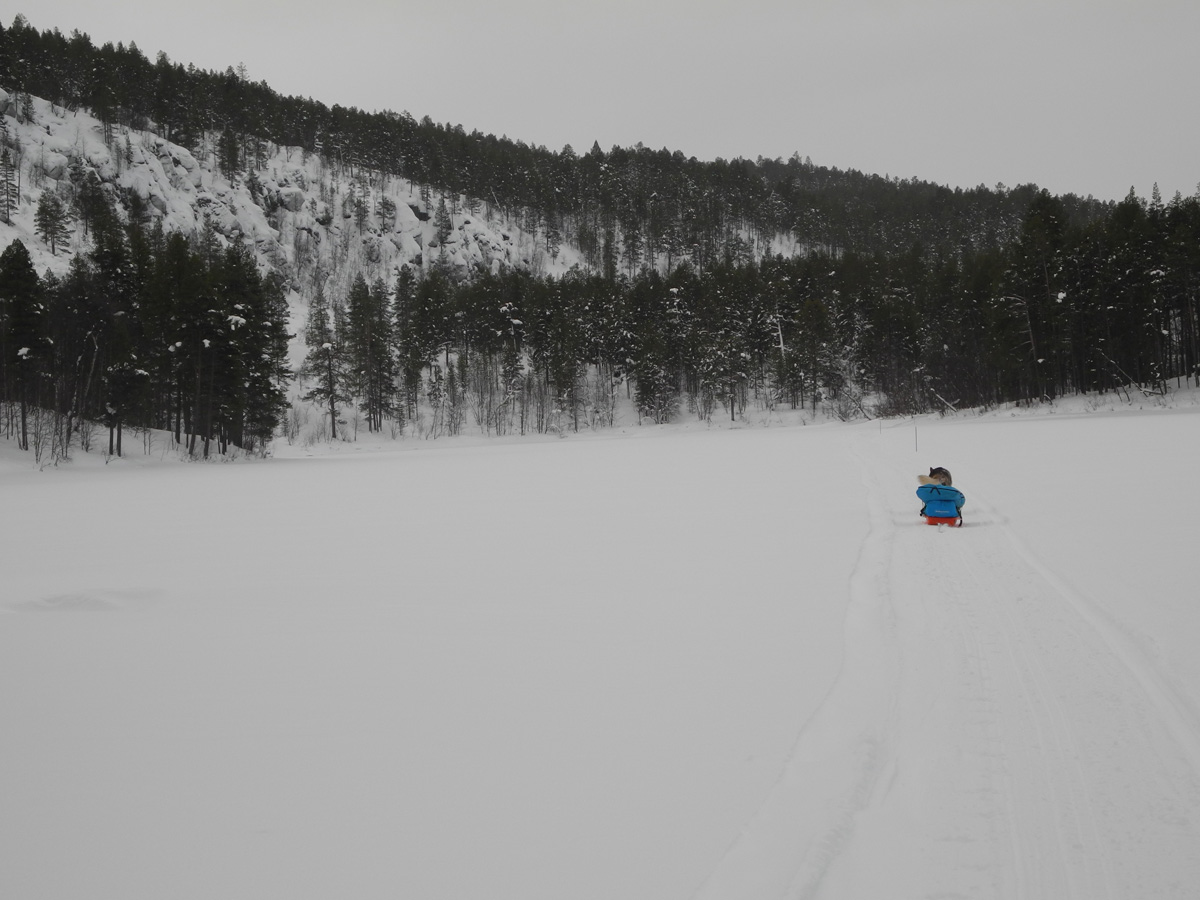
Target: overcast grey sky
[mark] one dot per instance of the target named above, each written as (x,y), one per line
(1082,96)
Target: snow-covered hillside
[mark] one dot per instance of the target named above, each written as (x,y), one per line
(299,211)
(672,662)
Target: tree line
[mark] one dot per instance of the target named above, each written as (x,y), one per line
(898,296)
(146,330)
(623,208)
(1112,305)
(179,334)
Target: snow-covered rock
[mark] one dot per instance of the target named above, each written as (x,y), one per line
(292,199)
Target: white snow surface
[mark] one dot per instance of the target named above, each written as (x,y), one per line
(649,663)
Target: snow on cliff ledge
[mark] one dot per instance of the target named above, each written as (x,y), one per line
(297,210)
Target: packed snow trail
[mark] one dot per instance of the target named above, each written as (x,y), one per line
(990,734)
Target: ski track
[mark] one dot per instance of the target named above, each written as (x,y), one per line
(991,735)
(807,819)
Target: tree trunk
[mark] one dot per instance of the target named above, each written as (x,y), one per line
(332,400)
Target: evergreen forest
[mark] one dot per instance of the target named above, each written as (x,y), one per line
(896,297)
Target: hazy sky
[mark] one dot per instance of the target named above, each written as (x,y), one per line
(1082,96)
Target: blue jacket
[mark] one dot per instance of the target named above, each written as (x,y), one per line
(940,501)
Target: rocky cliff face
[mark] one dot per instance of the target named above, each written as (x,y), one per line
(311,218)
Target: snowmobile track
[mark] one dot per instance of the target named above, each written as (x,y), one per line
(991,717)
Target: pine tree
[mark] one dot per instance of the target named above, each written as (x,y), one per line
(404,345)
(442,223)
(21,341)
(5,51)
(51,221)
(324,362)
(270,371)
(9,194)
(385,209)
(95,210)
(123,381)
(229,154)
(254,310)
(368,345)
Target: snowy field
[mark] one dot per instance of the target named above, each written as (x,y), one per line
(650,664)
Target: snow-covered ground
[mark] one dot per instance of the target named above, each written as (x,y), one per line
(651,663)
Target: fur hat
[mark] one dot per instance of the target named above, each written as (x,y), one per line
(937,475)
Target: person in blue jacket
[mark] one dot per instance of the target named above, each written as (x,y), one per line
(942,501)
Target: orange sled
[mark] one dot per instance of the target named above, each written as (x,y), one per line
(952,521)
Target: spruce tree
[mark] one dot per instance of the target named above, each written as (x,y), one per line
(442,223)
(51,221)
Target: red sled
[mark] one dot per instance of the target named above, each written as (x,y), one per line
(952,521)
